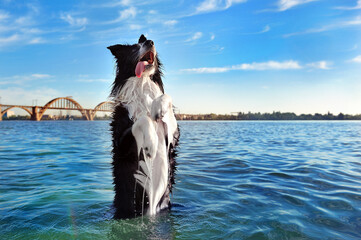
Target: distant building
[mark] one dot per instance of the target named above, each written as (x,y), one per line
(48,117)
(9,114)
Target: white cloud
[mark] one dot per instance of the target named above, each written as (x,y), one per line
(95,80)
(342,24)
(37,40)
(195,36)
(270,65)
(358,6)
(356,21)
(21,36)
(207,6)
(262,66)
(22,79)
(20,30)
(117,3)
(212,37)
(216,5)
(34,8)
(128,13)
(357,59)
(135,26)
(219,49)
(320,65)
(125,2)
(170,23)
(284,5)
(74,22)
(40,75)
(207,70)
(4,15)
(9,40)
(265,29)
(31,31)
(21,96)
(24,20)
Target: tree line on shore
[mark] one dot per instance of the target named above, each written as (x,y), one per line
(239,116)
(268,116)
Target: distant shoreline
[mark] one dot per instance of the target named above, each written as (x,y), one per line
(275,116)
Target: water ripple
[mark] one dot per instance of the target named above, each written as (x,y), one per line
(235,180)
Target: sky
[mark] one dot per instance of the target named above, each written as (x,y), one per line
(219,56)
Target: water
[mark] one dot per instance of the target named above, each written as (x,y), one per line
(235,180)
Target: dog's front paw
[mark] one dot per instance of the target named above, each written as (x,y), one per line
(161,106)
(145,135)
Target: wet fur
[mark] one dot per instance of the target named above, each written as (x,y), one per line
(130,198)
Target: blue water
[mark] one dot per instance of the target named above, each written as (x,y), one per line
(235,180)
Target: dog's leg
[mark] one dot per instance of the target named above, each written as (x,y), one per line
(146,138)
(145,135)
(162,110)
(161,106)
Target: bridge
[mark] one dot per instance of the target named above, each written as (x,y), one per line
(60,103)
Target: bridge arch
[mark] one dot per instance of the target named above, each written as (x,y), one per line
(26,109)
(61,101)
(103,106)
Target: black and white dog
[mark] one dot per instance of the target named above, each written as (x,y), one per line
(145,132)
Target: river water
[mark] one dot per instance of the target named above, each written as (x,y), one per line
(235,180)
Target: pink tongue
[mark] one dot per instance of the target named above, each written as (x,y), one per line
(139,69)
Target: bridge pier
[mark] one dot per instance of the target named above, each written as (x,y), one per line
(35,114)
(1,116)
(89,115)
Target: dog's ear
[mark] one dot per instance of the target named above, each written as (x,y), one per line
(115,49)
(142,39)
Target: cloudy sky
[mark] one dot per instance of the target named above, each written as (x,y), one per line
(219,56)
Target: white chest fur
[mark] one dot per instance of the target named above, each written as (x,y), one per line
(137,96)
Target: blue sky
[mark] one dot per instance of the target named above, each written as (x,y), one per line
(219,56)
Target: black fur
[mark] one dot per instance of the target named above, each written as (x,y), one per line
(129,194)
(126,60)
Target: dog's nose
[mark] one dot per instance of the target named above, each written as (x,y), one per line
(149,43)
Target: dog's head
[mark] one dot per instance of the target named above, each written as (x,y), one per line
(139,60)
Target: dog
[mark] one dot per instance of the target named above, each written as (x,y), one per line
(145,132)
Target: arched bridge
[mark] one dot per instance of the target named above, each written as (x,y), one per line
(60,103)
